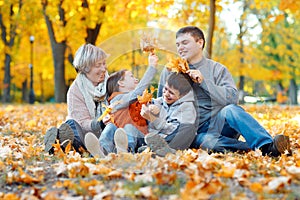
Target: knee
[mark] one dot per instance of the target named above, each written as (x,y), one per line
(128,126)
(108,130)
(231,110)
(204,141)
(74,125)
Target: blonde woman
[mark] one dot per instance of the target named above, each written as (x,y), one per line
(84,100)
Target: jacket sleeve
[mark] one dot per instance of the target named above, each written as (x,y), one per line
(78,110)
(221,87)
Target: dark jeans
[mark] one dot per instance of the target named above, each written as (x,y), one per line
(78,142)
(222,132)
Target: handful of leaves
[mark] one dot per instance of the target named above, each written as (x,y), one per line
(148,43)
(146,96)
(177,65)
(108,110)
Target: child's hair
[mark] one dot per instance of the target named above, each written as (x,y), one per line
(181,82)
(112,81)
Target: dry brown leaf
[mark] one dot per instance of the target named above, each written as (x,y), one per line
(294,171)
(177,65)
(256,187)
(115,174)
(146,96)
(148,43)
(76,169)
(279,183)
(21,147)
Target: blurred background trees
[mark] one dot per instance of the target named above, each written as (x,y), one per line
(258,40)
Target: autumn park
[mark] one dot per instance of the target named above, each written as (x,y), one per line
(257,40)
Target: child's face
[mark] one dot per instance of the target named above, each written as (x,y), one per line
(129,81)
(170,94)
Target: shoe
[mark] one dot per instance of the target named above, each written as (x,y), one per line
(158,145)
(282,144)
(121,140)
(93,146)
(65,135)
(50,138)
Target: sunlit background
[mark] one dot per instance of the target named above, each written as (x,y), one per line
(257,40)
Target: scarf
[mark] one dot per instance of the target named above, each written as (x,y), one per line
(91,93)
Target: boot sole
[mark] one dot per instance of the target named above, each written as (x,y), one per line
(66,135)
(158,145)
(93,146)
(121,140)
(282,143)
(50,137)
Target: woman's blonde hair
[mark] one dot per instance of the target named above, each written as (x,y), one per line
(87,56)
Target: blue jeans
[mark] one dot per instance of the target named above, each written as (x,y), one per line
(107,138)
(222,131)
(78,142)
(135,137)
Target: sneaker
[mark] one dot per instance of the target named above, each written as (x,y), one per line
(65,135)
(49,139)
(93,146)
(158,145)
(121,140)
(281,144)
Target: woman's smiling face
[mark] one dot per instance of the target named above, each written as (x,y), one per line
(97,73)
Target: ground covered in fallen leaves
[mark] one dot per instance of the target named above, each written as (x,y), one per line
(27,172)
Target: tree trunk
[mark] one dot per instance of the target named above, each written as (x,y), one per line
(211,27)
(293,92)
(24,91)
(58,51)
(6,98)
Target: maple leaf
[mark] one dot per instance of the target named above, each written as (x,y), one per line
(77,169)
(177,65)
(207,176)
(146,96)
(114,175)
(256,187)
(148,43)
(26,178)
(108,110)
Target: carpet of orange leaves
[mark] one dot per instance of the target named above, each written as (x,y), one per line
(27,172)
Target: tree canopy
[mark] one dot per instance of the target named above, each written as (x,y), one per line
(264,48)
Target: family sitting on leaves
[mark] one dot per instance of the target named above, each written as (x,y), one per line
(196,107)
